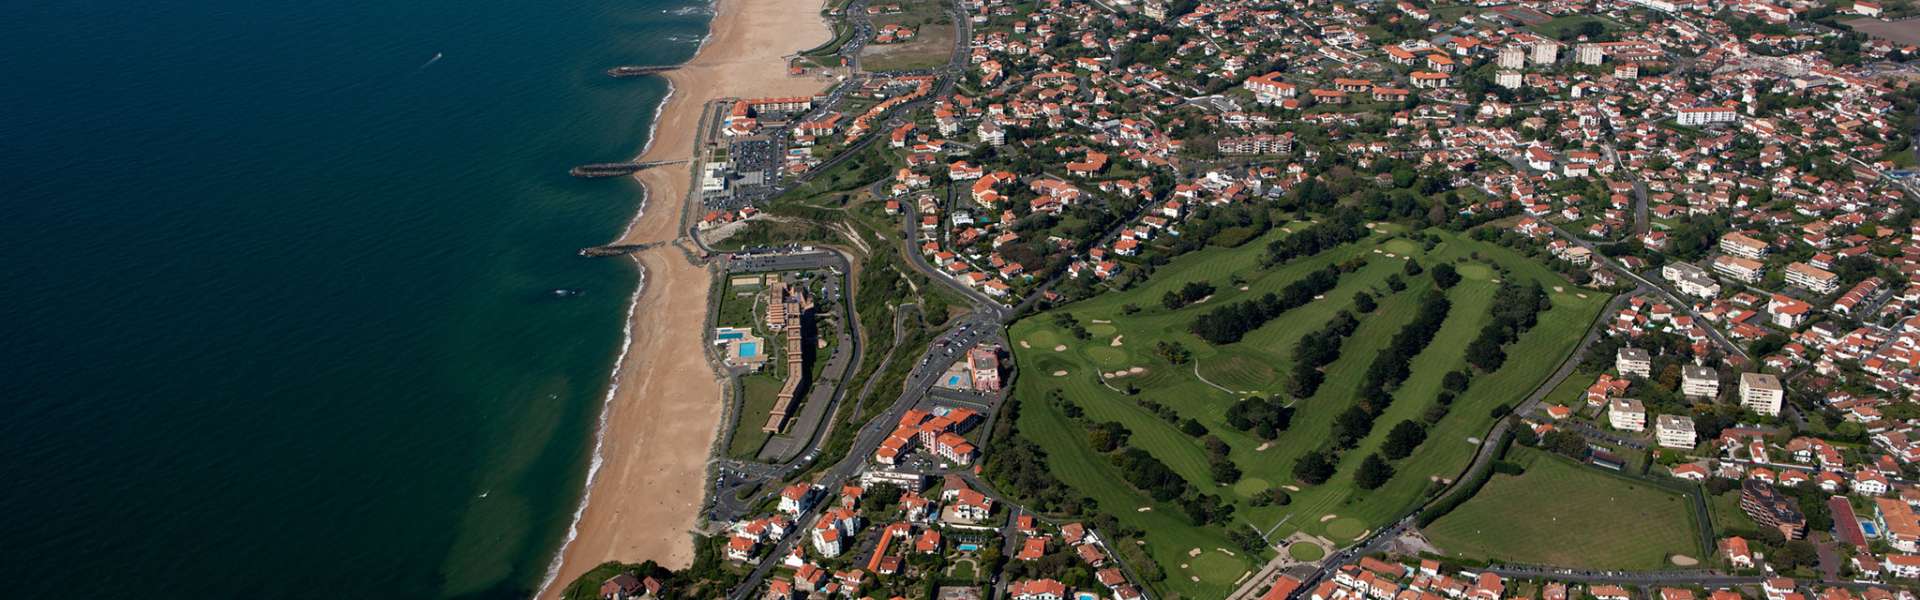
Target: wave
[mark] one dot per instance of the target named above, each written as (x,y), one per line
(599,435)
(619,362)
(687,11)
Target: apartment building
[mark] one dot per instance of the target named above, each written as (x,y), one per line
(1762,393)
(1743,246)
(1812,278)
(1690,280)
(1699,382)
(1744,270)
(1633,361)
(1674,431)
(1627,414)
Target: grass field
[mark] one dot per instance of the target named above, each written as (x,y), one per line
(759,391)
(1258,365)
(931,46)
(1727,516)
(1565,514)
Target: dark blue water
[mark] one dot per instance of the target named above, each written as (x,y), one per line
(275,292)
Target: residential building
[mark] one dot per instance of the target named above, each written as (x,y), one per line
(1699,382)
(1633,361)
(1770,508)
(1690,279)
(1627,414)
(1743,246)
(1744,270)
(1762,393)
(1674,431)
(1814,279)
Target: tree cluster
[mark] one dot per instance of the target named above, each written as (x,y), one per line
(1264,417)
(1515,309)
(1227,324)
(1341,228)
(1316,350)
(1389,368)
(1192,292)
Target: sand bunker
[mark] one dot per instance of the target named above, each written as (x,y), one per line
(1145,509)
(1329,517)
(1060,348)
(1557,289)
(1100,321)
(1116,341)
(1291,487)
(1194,552)
(1682,560)
(1024,344)
(1059,373)
(1263,447)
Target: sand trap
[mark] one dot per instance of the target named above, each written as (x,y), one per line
(1195,579)
(1145,509)
(1581,295)
(1682,560)
(1263,447)
(1376,250)
(1059,373)
(1183,565)
(1116,341)
(1137,370)
(1229,552)
(1204,300)
(1390,255)
(1329,517)
(1060,348)
(1100,321)
(1194,552)
(1024,344)
(1243,288)
(1291,487)
(1557,289)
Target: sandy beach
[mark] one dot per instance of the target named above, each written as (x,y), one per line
(662,421)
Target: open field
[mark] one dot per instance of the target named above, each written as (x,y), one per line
(931,46)
(1562,513)
(1905,31)
(1258,365)
(758,391)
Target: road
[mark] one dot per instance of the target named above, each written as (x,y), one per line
(1647,285)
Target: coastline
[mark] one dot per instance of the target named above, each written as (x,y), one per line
(665,403)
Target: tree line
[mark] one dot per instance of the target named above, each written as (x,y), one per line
(1514,310)
(1316,350)
(1227,324)
(1340,228)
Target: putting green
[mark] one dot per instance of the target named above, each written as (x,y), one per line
(1102,330)
(1400,247)
(1251,486)
(1216,567)
(1306,551)
(1044,339)
(1346,528)
(1107,356)
(1475,271)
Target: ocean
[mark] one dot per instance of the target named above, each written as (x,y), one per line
(277,288)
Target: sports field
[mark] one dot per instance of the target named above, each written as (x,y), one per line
(1124,328)
(1565,514)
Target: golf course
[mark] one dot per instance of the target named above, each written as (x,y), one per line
(1105,356)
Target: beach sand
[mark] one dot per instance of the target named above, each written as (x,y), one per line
(661,425)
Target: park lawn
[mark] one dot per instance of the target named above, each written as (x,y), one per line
(1258,364)
(1728,518)
(758,392)
(1565,514)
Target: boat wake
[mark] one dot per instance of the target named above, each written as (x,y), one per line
(436,58)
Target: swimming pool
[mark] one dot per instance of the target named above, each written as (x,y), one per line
(749,349)
(969,547)
(1085,596)
(730,335)
(1867,528)
(955,381)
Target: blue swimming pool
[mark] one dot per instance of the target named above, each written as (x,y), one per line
(730,335)
(749,349)
(954,381)
(968,547)
(1085,596)
(1867,527)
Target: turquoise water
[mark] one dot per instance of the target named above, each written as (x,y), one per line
(749,349)
(278,310)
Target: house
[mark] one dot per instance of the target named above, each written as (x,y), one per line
(1627,414)
(1037,589)
(1738,555)
(796,498)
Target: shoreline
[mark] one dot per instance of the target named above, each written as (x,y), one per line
(664,403)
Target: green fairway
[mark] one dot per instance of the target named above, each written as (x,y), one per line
(1565,514)
(1342,530)
(1260,363)
(1214,567)
(1306,552)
